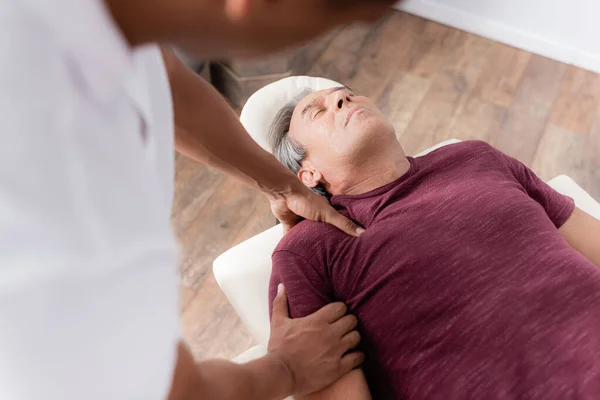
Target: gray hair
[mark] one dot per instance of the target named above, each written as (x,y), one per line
(285,149)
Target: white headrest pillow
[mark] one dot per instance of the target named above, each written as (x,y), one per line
(262,107)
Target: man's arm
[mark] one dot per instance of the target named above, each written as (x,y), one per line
(310,289)
(582,232)
(305,355)
(208,131)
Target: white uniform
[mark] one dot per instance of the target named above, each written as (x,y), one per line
(88,280)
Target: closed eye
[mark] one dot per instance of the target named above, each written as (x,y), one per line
(318,113)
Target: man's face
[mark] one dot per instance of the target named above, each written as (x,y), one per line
(339,130)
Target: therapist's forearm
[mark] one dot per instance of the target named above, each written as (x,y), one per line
(264,379)
(207,130)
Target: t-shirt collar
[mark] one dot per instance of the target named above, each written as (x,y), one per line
(380,190)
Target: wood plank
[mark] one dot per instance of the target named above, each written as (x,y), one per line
(210,325)
(564,152)
(578,101)
(185,297)
(391,42)
(502,75)
(213,227)
(401,99)
(339,60)
(406,91)
(430,49)
(556,155)
(448,93)
(194,186)
(530,110)
(592,155)
(478,119)
(238,339)
(435,114)
(469,58)
(260,220)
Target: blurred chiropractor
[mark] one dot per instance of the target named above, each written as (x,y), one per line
(88,260)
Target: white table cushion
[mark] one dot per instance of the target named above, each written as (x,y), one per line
(253,353)
(243,274)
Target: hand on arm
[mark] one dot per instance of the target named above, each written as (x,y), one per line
(305,356)
(315,347)
(351,384)
(310,290)
(208,131)
(582,232)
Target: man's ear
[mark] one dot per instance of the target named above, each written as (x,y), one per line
(310,176)
(237,9)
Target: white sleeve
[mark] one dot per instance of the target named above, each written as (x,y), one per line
(84,314)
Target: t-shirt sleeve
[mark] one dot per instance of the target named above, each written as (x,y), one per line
(307,285)
(558,206)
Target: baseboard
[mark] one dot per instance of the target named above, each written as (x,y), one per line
(529,41)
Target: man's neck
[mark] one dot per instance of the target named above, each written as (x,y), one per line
(373,173)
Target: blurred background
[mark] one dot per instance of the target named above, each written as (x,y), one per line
(434,82)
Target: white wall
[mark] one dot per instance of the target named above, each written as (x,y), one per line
(565,30)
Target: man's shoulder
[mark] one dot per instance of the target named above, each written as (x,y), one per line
(476,146)
(466,146)
(310,238)
(463,151)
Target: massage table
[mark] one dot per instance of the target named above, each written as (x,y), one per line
(243,272)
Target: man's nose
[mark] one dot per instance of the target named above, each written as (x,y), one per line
(340,100)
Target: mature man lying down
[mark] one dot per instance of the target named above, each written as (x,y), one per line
(473,280)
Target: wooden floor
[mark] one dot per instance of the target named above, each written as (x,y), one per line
(434,83)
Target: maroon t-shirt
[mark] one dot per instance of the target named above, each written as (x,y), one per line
(462,284)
